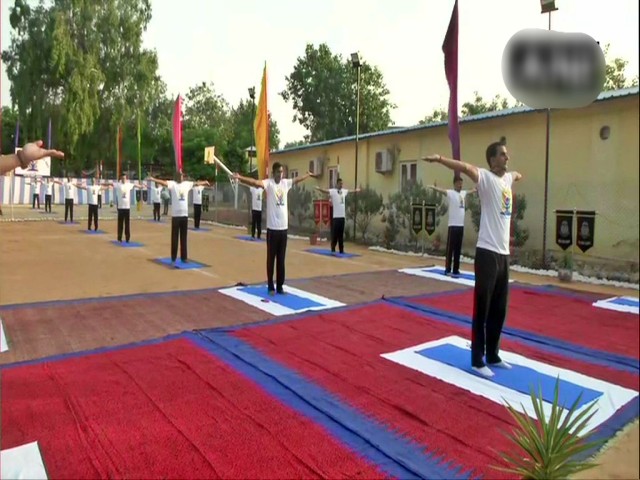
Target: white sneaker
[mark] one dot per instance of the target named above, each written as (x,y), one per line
(484,371)
(501,364)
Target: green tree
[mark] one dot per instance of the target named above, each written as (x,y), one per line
(474,107)
(322,89)
(9,122)
(615,73)
(438,115)
(297,143)
(82,64)
(241,135)
(370,205)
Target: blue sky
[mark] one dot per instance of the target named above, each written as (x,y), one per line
(227,42)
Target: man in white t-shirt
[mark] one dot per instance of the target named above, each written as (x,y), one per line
(92,201)
(197,201)
(122,191)
(156,199)
(276,191)
(48,193)
(179,191)
(256,210)
(491,291)
(69,197)
(35,192)
(338,197)
(456,203)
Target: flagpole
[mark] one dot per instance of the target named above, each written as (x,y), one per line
(13,178)
(139,166)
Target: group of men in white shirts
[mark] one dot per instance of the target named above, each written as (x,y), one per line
(491,286)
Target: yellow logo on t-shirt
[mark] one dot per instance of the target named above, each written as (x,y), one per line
(506,206)
(279,197)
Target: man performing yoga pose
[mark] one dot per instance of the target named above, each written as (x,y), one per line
(122,191)
(92,201)
(456,199)
(491,291)
(338,198)
(179,213)
(276,191)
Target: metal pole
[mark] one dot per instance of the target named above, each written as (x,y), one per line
(355,198)
(546,182)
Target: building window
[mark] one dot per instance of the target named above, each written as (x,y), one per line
(294,174)
(333,177)
(408,174)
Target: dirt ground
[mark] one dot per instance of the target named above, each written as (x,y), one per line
(44,261)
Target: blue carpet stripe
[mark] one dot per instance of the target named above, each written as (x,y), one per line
(586,354)
(404,458)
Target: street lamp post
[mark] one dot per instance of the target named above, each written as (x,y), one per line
(357,64)
(548,6)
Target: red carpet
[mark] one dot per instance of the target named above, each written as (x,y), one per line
(341,352)
(168,410)
(563,317)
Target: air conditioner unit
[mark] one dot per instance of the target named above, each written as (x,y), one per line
(316,166)
(384,162)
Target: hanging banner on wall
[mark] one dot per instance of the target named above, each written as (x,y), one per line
(564,228)
(417,217)
(430,218)
(585,229)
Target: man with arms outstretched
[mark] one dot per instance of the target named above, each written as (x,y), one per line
(276,191)
(456,203)
(338,198)
(491,266)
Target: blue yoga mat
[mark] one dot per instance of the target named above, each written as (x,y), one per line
(93,232)
(288,300)
(627,302)
(191,265)
(327,252)
(126,245)
(201,229)
(519,378)
(247,238)
(466,276)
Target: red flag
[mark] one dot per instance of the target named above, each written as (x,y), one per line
(450,50)
(177,132)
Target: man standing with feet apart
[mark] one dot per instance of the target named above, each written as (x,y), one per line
(276,190)
(179,191)
(491,291)
(338,197)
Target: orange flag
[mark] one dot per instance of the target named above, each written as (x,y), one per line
(261,130)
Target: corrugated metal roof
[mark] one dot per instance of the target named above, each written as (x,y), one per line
(608,95)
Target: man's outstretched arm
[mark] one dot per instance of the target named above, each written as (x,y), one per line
(469,170)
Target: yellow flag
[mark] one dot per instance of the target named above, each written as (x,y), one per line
(261,130)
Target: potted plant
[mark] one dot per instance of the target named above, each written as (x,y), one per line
(565,267)
(553,446)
